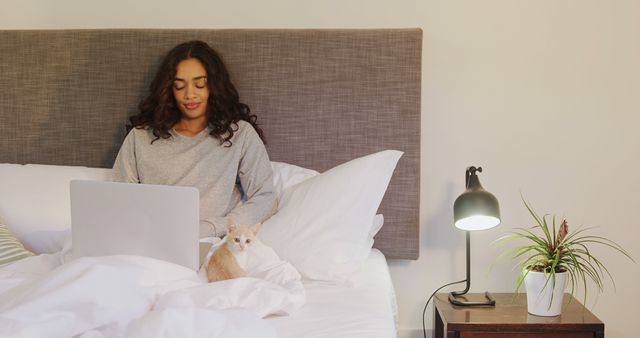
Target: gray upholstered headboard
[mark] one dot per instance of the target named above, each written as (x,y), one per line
(323,97)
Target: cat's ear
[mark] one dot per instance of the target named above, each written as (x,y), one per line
(255,228)
(230,225)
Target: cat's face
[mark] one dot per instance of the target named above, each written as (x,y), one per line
(240,237)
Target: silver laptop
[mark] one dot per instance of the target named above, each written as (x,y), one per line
(110,218)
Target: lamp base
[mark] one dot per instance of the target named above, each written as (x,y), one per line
(461,300)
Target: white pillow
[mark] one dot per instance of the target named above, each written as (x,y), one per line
(323,224)
(286,175)
(34,202)
(378,222)
(376,225)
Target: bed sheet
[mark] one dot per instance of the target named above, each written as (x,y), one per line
(366,309)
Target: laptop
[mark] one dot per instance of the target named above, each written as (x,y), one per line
(158,221)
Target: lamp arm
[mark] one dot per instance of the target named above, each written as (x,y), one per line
(468,279)
(489,300)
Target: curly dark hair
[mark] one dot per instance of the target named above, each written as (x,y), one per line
(159,111)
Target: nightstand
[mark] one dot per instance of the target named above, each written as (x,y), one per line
(509,319)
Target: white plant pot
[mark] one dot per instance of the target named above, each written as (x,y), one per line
(539,300)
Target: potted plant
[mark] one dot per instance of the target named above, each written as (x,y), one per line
(553,257)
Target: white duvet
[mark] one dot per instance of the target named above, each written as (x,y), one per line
(139,297)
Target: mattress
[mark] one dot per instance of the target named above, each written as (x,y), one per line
(366,309)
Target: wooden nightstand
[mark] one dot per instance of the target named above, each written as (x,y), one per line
(510,319)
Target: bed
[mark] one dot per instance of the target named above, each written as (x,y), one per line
(332,104)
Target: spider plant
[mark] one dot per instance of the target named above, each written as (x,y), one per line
(552,249)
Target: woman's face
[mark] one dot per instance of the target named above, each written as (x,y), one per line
(190,89)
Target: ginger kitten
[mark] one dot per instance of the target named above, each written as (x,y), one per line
(224,264)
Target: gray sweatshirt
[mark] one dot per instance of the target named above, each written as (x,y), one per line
(202,162)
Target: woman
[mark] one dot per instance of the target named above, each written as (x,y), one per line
(192,130)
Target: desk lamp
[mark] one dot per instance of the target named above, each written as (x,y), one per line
(475,209)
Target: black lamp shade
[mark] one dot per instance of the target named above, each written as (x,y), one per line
(476,208)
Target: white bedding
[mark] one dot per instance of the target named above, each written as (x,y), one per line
(325,238)
(367,309)
(137,297)
(128,296)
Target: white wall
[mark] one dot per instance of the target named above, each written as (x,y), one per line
(542,94)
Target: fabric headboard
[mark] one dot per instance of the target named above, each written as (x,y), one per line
(323,97)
